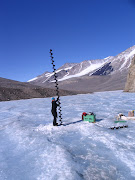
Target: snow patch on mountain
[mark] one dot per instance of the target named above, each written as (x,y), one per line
(108,58)
(33,79)
(51,74)
(125,58)
(89,69)
(131,54)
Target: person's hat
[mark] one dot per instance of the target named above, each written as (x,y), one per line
(53,98)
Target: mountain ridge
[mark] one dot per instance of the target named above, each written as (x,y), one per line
(15,90)
(70,75)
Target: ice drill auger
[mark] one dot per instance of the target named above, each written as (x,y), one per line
(56,85)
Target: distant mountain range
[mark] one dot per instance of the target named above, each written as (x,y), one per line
(91,75)
(88,76)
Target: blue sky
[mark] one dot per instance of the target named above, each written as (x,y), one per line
(75,30)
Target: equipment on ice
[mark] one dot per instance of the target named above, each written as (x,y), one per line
(120,121)
(130,116)
(56,85)
(90,117)
(119,127)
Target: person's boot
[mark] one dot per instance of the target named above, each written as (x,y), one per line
(55,124)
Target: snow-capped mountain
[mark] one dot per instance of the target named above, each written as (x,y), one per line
(112,66)
(118,63)
(70,70)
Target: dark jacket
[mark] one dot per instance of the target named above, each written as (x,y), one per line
(54,108)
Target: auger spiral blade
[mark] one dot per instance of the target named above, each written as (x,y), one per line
(56,85)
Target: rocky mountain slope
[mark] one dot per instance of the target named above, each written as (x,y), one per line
(130,84)
(91,75)
(14,90)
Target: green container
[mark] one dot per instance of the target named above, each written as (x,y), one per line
(90,118)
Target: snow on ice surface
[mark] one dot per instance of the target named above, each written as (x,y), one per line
(32,149)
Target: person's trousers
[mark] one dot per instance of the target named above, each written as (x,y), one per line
(54,120)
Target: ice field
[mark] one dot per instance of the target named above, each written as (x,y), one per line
(32,149)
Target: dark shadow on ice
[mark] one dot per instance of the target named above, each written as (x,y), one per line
(98,120)
(66,124)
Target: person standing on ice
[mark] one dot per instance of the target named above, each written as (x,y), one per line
(54,111)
